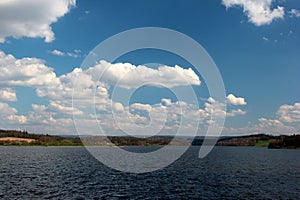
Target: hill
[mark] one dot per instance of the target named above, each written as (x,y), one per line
(269,141)
(13,137)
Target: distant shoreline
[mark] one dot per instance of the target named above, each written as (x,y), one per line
(263,140)
(21,138)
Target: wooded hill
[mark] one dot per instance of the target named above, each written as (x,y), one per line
(13,137)
(282,141)
(39,139)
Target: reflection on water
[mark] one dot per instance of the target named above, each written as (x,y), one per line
(227,172)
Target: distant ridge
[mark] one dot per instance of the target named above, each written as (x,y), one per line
(14,137)
(37,139)
(282,141)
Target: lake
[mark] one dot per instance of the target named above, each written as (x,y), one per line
(227,172)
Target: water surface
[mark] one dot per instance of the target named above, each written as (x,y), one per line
(227,172)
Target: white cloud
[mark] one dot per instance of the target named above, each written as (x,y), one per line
(19,119)
(287,122)
(64,109)
(86,91)
(39,108)
(139,106)
(77,51)
(55,117)
(40,115)
(268,126)
(265,39)
(294,13)
(273,126)
(130,76)
(31,18)
(170,117)
(57,52)
(61,53)
(125,75)
(231,99)
(212,107)
(42,120)
(9,115)
(24,72)
(74,55)
(6,109)
(32,72)
(7,94)
(237,112)
(166,102)
(270,122)
(118,107)
(258,11)
(289,113)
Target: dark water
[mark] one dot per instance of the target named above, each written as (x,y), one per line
(227,172)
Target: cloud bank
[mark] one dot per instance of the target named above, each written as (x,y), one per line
(7,94)
(56,116)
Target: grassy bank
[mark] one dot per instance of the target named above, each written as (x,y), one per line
(263,143)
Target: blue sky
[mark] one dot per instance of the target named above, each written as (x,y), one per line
(255,45)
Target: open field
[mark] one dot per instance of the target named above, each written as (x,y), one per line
(16,139)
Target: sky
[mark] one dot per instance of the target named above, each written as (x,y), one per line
(255,45)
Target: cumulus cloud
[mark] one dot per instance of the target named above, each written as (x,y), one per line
(6,109)
(118,107)
(32,72)
(139,106)
(130,76)
(259,12)
(273,126)
(44,119)
(287,122)
(169,115)
(213,107)
(40,115)
(31,18)
(270,122)
(19,119)
(9,115)
(289,113)
(231,99)
(57,52)
(64,109)
(70,54)
(7,94)
(294,13)
(264,125)
(24,72)
(234,113)
(58,90)
(126,75)
(166,102)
